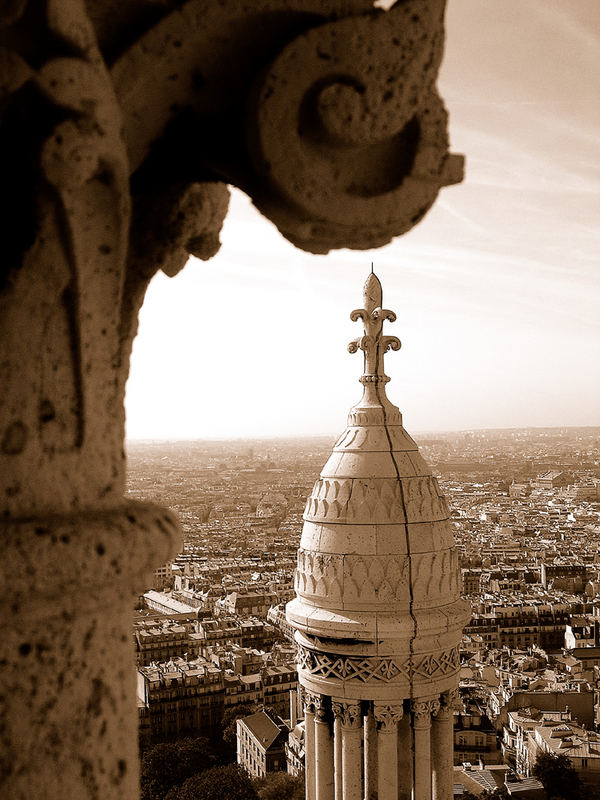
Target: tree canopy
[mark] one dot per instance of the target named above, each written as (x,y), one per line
(558,777)
(279,786)
(169,764)
(229,782)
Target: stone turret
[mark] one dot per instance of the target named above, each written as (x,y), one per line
(378,614)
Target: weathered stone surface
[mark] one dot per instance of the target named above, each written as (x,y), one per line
(122,124)
(68,701)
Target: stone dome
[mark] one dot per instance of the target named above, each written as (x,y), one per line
(378,613)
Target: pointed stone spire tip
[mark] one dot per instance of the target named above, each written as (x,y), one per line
(373,344)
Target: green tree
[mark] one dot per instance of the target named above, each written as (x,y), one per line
(279,786)
(558,777)
(231,716)
(169,764)
(229,782)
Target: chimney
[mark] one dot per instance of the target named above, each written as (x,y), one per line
(293,709)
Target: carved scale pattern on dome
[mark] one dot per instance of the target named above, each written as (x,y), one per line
(377,669)
(376,500)
(435,574)
(376,437)
(377,578)
(368,579)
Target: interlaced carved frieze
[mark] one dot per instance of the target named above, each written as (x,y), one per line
(374,669)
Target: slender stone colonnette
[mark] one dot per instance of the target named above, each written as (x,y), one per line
(378,614)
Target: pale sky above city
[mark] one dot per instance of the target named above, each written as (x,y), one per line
(497,291)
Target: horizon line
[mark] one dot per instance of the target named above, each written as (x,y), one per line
(328,435)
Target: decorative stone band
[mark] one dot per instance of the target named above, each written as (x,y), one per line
(373,501)
(377,669)
(387,716)
(78,558)
(377,438)
(348,713)
(333,578)
(364,417)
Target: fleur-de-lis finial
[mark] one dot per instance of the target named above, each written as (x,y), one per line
(373,344)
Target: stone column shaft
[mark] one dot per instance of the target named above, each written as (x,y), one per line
(337,756)
(370,757)
(387,718)
(422,710)
(442,750)
(405,759)
(324,774)
(352,766)
(309,755)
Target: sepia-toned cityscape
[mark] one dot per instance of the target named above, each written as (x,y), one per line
(319,519)
(211,633)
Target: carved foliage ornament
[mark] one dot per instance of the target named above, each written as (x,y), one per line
(387,716)
(346,142)
(348,713)
(351,131)
(423,709)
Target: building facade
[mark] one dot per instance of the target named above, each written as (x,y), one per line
(378,614)
(261,743)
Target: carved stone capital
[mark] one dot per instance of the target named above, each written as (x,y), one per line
(387,716)
(321,708)
(311,701)
(446,705)
(422,710)
(348,713)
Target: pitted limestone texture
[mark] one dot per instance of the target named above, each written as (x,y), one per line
(73,559)
(351,103)
(69,723)
(122,124)
(350,130)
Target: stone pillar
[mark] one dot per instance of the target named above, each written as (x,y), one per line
(422,710)
(442,747)
(324,781)
(370,756)
(309,741)
(337,707)
(67,663)
(352,781)
(405,759)
(387,718)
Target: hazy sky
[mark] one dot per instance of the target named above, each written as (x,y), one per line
(497,291)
